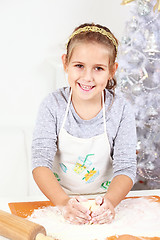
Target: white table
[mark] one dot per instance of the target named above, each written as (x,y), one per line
(4,201)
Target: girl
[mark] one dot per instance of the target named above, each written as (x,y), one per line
(85,136)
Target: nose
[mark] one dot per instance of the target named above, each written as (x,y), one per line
(88,75)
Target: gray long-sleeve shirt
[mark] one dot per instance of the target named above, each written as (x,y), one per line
(120,123)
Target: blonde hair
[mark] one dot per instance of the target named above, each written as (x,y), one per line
(85,33)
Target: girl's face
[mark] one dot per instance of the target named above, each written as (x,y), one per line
(88,70)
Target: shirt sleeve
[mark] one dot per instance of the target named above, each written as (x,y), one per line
(124,149)
(44,141)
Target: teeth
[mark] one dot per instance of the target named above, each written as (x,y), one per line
(85,87)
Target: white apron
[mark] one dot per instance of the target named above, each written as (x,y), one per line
(83,165)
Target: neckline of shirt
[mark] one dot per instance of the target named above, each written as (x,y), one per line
(98,116)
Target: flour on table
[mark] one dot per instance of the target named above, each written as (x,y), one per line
(134,216)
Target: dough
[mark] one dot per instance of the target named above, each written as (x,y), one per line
(90,205)
(40,236)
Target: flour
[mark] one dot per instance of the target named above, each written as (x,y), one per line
(134,216)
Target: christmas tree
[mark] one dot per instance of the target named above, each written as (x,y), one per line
(139,78)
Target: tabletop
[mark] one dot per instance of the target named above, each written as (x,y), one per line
(5,200)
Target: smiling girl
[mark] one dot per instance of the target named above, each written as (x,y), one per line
(85,136)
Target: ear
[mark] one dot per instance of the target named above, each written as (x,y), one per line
(64,61)
(114,69)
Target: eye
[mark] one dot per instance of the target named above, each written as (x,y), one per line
(79,66)
(99,69)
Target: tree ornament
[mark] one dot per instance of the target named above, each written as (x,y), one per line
(151,112)
(127,87)
(136,89)
(133,25)
(124,2)
(144,8)
(152,47)
(139,145)
(126,40)
(135,57)
(150,166)
(156,6)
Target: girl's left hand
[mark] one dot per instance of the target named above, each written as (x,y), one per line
(105,213)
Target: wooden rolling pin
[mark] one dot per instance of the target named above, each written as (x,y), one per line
(17,228)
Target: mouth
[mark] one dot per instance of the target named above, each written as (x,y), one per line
(86,88)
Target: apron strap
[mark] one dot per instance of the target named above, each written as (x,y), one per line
(104,114)
(67,109)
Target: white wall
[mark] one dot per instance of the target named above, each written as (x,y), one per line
(33,34)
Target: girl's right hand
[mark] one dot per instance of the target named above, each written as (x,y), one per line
(74,212)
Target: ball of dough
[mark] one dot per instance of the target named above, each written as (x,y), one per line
(90,205)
